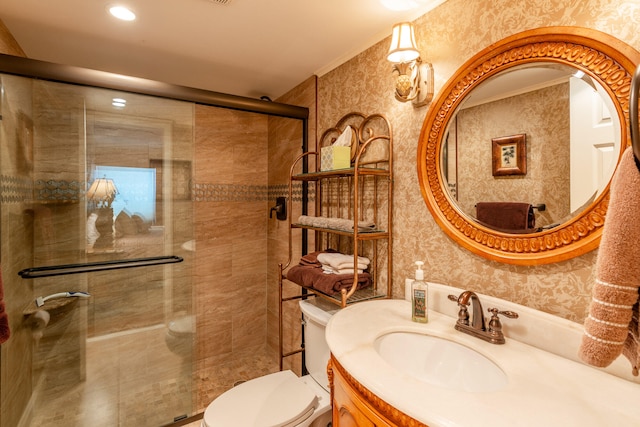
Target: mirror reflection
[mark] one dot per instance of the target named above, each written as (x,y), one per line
(530,148)
(125,164)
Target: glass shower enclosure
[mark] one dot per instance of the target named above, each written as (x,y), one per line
(98,249)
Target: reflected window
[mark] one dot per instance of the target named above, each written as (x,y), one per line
(136,190)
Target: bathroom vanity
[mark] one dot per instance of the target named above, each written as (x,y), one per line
(391,371)
(354,405)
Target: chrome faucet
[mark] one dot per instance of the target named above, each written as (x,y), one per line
(491,332)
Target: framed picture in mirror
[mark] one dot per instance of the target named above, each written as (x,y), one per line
(509,155)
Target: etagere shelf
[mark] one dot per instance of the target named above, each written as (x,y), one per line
(361,193)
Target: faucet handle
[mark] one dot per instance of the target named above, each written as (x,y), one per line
(506,313)
(495,326)
(463,314)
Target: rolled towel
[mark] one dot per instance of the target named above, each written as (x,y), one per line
(334,223)
(309,220)
(347,224)
(611,327)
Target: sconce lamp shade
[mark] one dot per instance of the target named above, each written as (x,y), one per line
(403,44)
(102,190)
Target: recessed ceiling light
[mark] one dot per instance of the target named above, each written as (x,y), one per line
(119,102)
(122,12)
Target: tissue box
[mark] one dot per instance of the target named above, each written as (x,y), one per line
(333,157)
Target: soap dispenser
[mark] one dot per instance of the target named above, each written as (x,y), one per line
(419,296)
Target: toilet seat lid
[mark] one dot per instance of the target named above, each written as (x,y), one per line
(275,400)
(182,325)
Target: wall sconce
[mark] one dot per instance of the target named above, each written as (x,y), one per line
(415,78)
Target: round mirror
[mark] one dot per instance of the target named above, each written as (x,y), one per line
(540,135)
(517,151)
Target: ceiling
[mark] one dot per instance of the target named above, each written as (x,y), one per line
(249,48)
(518,80)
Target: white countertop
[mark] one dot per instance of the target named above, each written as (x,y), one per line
(543,389)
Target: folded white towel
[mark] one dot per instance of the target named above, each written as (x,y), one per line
(330,270)
(347,265)
(340,261)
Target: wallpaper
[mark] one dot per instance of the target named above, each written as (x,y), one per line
(448,36)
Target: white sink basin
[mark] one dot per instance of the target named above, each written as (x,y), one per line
(440,362)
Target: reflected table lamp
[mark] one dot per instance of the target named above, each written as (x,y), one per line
(101,193)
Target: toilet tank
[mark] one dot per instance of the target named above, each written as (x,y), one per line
(316,314)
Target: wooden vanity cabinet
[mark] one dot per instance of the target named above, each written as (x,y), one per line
(355,406)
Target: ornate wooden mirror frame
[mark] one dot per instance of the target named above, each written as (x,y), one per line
(606,59)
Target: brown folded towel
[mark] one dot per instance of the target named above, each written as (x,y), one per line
(611,328)
(506,215)
(313,277)
(311,259)
(331,283)
(5,332)
(303,274)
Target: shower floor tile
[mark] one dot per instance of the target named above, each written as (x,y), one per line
(135,381)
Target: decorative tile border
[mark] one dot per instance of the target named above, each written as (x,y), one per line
(229,193)
(15,190)
(60,191)
(20,190)
(245,193)
(282,190)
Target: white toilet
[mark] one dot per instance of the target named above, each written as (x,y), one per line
(180,335)
(283,399)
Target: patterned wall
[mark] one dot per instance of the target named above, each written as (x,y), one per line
(448,36)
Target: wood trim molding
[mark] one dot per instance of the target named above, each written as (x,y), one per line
(601,56)
(389,412)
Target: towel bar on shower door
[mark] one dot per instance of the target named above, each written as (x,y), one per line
(59,270)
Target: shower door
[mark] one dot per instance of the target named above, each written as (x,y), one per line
(90,175)
(93,175)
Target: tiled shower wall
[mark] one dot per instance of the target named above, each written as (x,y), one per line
(241,165)
(14,188)
(231,235)
(285,137)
